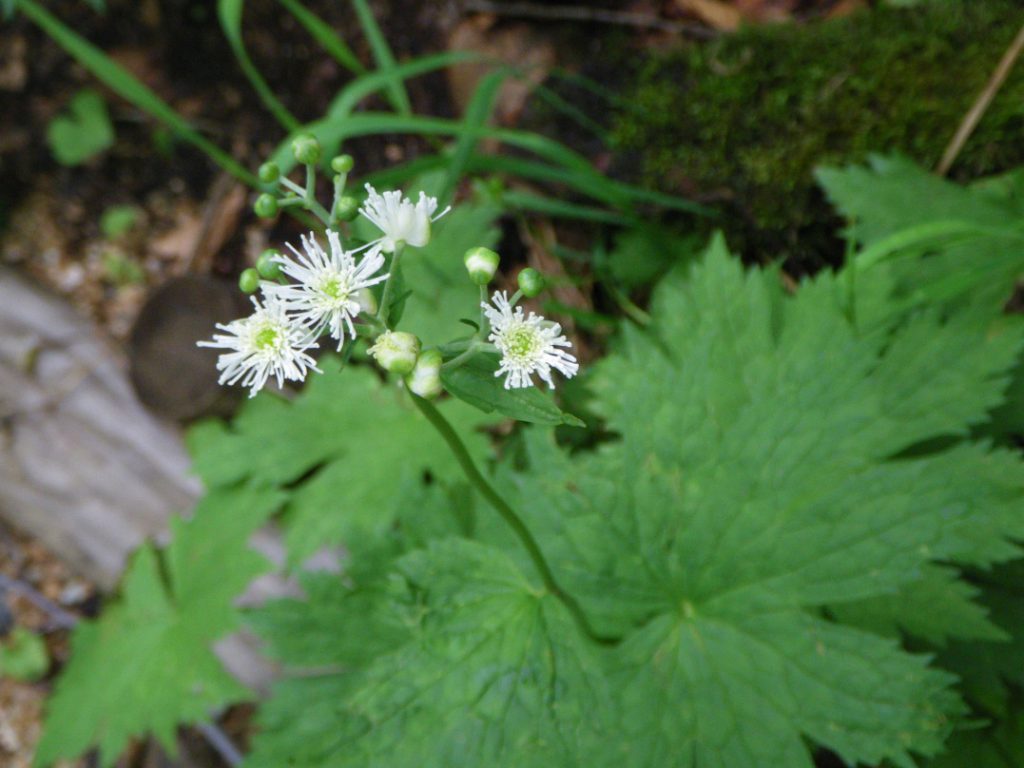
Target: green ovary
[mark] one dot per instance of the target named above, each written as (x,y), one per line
(266,338)
(334,290)
(522,343)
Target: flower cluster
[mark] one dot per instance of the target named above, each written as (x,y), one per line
(327,290)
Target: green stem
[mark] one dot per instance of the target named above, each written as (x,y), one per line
(385,298)
(463,357)
(458,448)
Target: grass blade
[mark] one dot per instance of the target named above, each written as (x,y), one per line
(323,34)
(386,63)
(127,87)
(348,98)
(478,112)
(230,14)
(566,166)
(560,209)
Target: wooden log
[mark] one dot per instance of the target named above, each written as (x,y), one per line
(84,467)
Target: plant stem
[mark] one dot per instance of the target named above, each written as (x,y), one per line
(382,313)
(458,448)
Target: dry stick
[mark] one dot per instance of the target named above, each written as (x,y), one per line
(598,15)
(61,619)
(216,738)
(974,115)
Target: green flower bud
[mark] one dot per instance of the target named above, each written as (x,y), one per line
(306,149)
(266,266)
(342,164)
(346,209)
(265,206)
(367,301)
(531,282)
(396,351)
(481,263)
(269,173)
(249,281)
(425,379)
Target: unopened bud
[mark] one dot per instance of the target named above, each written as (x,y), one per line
(531,282)
(269,173)
(267,265)
(306,149)
(265,206)
(249,281)
(342,164)
(346,208)
(396,351)
(481,263)
(425,379)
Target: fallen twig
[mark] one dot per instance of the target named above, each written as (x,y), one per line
(221,742)
(61,619)
(974,114)
(527,10)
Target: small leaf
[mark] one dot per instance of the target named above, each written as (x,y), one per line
(117,220)
(23,656)
(83,132)
(474,382)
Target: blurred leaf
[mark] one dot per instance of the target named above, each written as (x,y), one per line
(148,664)
(83,131)
(642,254)
(23,656)
(117,220)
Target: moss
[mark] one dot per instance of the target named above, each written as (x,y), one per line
(745,119)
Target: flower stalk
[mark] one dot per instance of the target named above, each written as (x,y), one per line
(509,515)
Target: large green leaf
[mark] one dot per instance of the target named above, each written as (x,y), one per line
(492,672)
(354,437)
(764,469)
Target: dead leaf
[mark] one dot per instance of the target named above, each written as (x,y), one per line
(714,13)
(845,8)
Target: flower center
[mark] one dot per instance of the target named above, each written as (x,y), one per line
(522,343)
(266,338)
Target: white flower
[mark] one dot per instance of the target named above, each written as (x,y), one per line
(528,345)
(330,288)
(399,220)
(267,343)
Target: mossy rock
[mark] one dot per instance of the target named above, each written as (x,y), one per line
(745,119)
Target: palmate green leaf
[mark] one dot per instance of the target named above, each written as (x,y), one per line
(492,672)
(772,460)
(355,437)
(147,664)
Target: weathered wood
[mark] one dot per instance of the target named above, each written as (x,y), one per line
(83,466)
